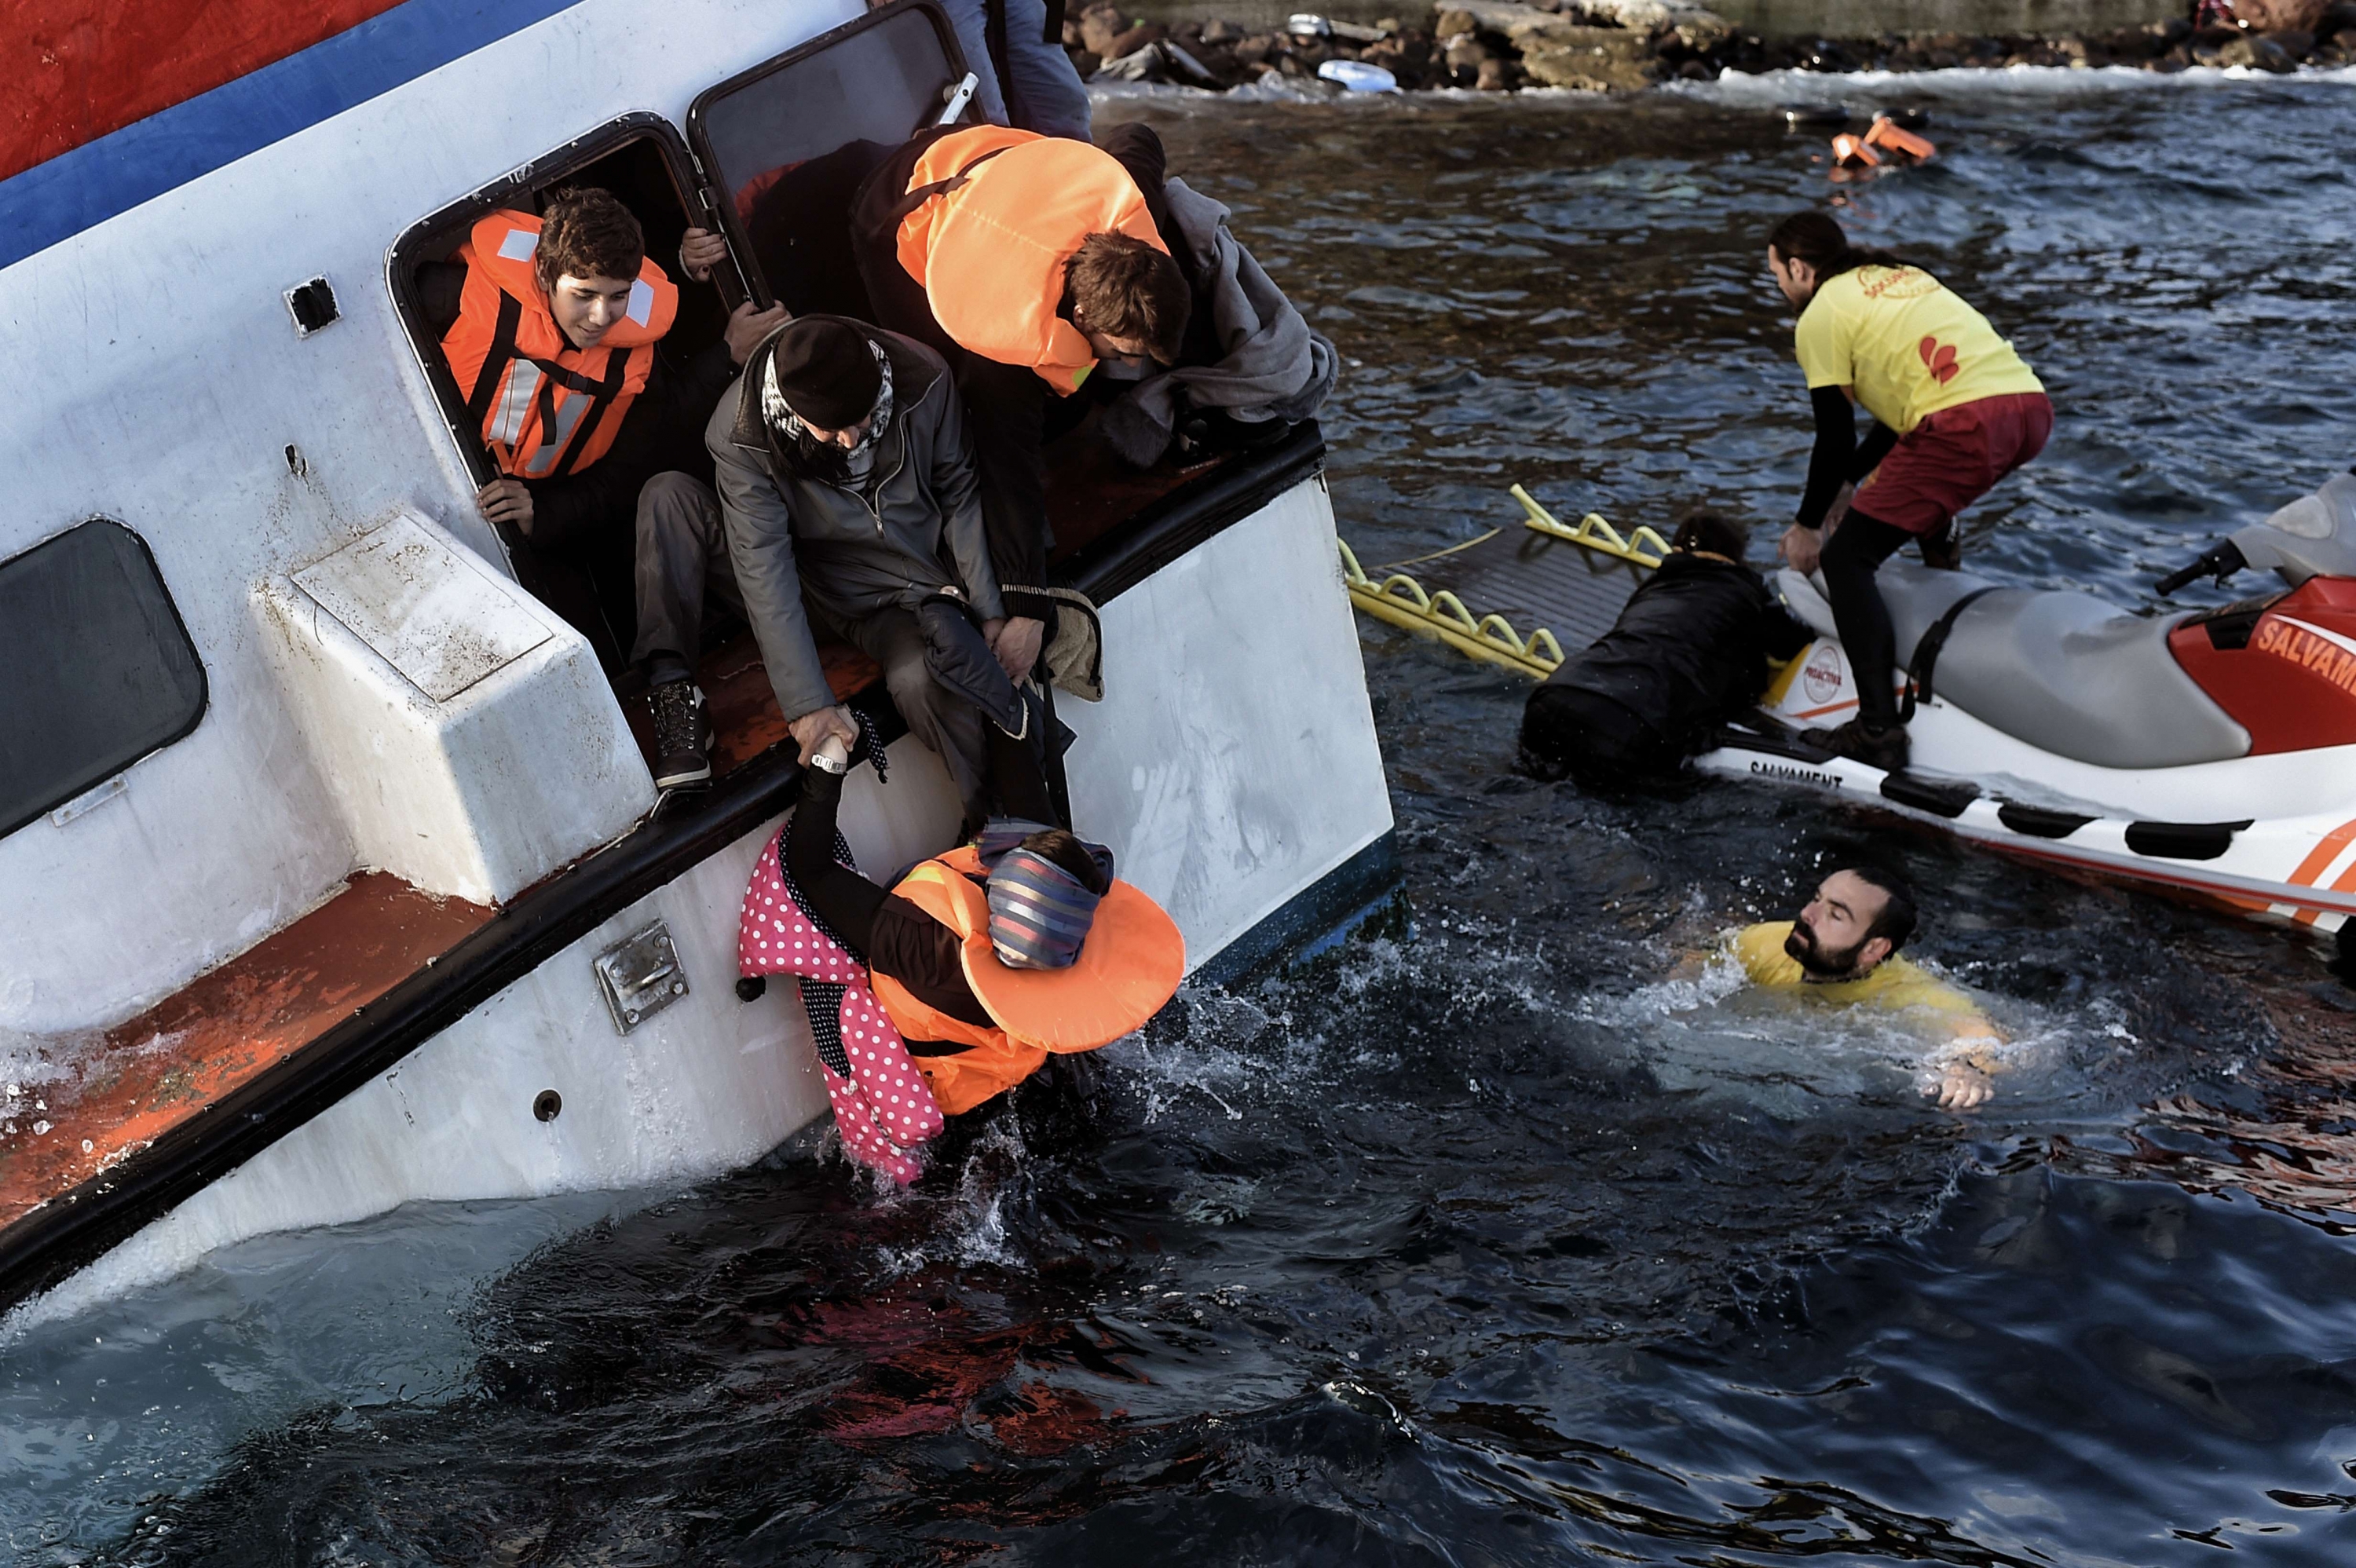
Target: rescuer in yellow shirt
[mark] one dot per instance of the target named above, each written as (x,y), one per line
(1843,951)
(1954,410)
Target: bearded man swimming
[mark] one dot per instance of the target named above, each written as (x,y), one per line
(1842,950)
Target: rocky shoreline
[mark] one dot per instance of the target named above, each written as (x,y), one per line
(1625,45)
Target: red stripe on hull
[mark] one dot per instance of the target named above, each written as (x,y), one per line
(73,71)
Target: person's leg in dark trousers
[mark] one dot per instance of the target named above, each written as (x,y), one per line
(1006,411)
(682,564)
(1016,777)
(844,901)
(948,723)
(1850,557)
(680,559)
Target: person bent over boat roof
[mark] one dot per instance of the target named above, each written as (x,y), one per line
(1955,409)
(553,326)
(1023,261)
(1688,652)
(851,498)
(955,983)
(1248,367)
(1842,951)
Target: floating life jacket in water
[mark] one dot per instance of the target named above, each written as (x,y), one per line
(990,221)
(1129,966)
(543,407)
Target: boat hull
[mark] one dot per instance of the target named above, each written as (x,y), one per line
(1232,767)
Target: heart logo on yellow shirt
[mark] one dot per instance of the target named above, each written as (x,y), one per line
(1939,358)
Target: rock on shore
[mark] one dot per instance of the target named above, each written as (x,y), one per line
(1623,46)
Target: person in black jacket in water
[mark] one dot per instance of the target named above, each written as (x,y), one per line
(1688,652)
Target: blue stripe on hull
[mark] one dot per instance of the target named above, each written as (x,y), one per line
(58,199)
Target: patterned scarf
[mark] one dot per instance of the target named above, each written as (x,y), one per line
(819,460)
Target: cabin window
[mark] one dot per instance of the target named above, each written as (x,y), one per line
(789,140)
(101,669)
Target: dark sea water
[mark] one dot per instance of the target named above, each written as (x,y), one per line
(1502,1233)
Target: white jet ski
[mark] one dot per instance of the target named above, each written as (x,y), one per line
(2212,751)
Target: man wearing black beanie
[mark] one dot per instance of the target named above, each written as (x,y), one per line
(848,494)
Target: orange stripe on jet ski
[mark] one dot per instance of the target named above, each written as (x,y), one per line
(2326,850)
(2340,884)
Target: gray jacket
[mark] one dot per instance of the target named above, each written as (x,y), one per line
(789,535)
(1272,365)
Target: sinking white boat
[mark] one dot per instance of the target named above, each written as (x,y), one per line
(331,872)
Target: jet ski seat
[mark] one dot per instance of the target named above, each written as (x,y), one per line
(2067,673)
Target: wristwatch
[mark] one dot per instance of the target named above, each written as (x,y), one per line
(825,763)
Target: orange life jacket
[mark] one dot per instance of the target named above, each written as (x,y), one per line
(1129,966)
(990,221)
(544,407)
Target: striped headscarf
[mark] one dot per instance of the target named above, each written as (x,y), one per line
(1039,913)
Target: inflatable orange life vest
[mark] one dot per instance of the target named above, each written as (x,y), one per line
(991,218)
(1129,966)
(543,407)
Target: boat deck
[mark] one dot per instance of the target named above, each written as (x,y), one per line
(219,1032)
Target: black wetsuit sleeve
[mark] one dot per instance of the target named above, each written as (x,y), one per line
(1828,464)
(1878,439)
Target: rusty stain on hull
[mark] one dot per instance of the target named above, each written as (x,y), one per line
(219,1032)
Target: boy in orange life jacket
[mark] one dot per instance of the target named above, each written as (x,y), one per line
(552,331)
(1022,261)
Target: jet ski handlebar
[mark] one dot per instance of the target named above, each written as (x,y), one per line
(2221,561)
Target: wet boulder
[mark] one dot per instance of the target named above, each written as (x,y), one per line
(2257,53)
(1100,26)
(1588,59)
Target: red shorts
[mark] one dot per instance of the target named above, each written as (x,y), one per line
(1953,458)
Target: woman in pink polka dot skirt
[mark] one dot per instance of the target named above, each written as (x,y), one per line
(883,1109)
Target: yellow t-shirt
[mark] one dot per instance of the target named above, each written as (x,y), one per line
(1906,343)
(1893,983)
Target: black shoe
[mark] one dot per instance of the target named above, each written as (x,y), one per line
(683,735)
(1884,749)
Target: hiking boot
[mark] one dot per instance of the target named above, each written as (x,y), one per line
(683,735)
(1883,749)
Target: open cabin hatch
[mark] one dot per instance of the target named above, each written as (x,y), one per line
(785,145)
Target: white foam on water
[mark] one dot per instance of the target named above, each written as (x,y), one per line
(1708,1031)
(1774,89)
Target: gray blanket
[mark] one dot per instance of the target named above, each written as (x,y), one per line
(1273,367)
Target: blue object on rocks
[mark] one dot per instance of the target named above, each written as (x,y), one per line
(1357,76)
